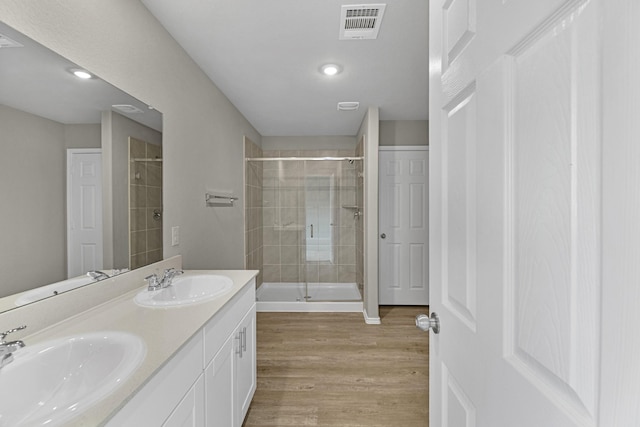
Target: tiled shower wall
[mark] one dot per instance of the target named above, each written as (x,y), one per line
(285,227)
(145,203)
(253,209)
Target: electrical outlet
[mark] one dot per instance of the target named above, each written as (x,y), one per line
(175,236)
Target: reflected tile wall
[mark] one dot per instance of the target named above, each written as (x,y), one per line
(145,203)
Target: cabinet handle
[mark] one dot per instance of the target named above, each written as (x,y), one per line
(239,338)
(244,339)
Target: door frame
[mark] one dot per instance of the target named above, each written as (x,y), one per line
(394,148)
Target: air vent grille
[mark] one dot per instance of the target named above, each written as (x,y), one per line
(360,22)
(128,109)
(348,106)
(7,42)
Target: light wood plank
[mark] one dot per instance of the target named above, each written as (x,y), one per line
(331,369)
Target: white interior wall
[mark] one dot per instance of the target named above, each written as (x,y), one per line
(369,130)
(122,43)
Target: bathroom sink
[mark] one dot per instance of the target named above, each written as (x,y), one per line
(185,290)
(51,382)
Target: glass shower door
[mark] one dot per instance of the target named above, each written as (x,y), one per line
(319,211)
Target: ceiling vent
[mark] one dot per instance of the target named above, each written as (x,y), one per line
(348,106)
(7,42)
(361,21)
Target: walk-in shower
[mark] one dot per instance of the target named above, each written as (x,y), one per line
(304,230)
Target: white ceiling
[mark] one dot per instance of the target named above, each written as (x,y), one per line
(265,56)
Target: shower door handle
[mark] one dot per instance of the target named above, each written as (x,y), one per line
(312,231)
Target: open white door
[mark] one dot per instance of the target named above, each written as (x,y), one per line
(84,211)
(535,206)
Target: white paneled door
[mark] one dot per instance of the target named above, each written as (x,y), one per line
(535,206)
(404,226)
(84,211)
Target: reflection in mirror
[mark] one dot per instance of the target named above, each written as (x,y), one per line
(80,175)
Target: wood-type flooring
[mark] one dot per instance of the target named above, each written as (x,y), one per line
(332,369)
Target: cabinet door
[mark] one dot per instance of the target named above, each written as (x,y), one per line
(190,411)
(245,365)
(219,388)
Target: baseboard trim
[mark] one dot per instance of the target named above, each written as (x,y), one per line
(370,320)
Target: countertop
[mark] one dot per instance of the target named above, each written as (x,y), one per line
(164,331)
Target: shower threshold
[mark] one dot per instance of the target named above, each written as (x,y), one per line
(322,297)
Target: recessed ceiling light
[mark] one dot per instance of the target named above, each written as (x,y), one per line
(80,73)
(330,69)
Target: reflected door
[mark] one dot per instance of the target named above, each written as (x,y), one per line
(84,211)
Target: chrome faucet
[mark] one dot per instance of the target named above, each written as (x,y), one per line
(154,283)
(7,348)
(97,275)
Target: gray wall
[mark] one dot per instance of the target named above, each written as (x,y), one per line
(404,132)
(308,142)
(33,191)
(82,136)
(120,41)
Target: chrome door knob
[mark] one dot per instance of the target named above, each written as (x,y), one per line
(424,322)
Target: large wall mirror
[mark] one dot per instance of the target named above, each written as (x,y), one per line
(80,175)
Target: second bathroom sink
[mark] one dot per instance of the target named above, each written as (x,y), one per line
(185,290)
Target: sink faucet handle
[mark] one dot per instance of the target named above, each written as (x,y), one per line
(153,282)
(97,275)
(169,274)
(4,334)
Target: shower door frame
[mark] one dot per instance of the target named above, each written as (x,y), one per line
(302,262)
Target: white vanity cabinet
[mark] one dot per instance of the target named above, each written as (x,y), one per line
(167,392)
(230,375)
(190,411)
(245,368)
(210,381)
